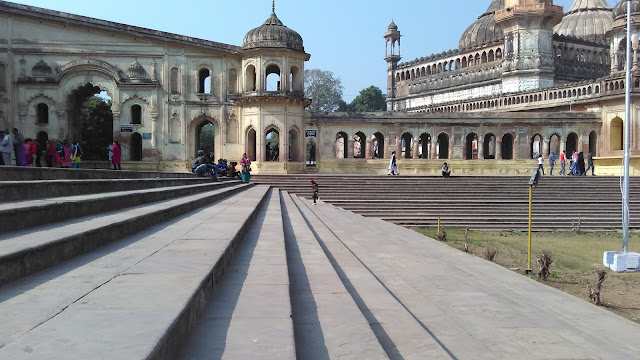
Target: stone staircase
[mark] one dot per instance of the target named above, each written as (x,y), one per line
(481,203)
(156,267)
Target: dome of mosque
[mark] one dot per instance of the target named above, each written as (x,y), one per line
(620,10)
(586,20)
(273,34)
(484,30)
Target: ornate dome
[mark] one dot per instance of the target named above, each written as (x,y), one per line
(483,31)
(393,26)
(273,34)
(41,69)
(620,10)
(136,71)
(586,19)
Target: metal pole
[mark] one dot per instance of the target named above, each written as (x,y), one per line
(627,138)
(530,216)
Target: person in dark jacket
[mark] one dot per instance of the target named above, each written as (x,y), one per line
(581,167)
(316,195)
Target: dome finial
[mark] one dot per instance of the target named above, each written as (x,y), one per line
(273,6)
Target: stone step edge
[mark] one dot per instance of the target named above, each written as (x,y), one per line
(48,213)
(29,260)
(169,346)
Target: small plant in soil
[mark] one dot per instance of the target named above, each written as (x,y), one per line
(544,261)
(490,253)
(442,235)
(465,246)
(594,289)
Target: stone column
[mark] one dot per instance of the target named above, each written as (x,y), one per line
(349,154)
(498,149)
(545,149)
(451,147)
(480,149)
(367,152)
(416,152)
(434,152)
(563,145)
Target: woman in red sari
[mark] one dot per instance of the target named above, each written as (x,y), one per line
(246,168)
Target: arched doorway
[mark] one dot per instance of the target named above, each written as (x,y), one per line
(135,147)
(616,134)
(472,147)
(378,145)
(359,145)
(554,144)
(206,138)
(341,145)
(311,153)
(294,145)
(251,144)
(507,147)
(593,143)
(572,143)
(489,146)
(424,146)
(272,145)
(405,146)
(443,146)
(90,120)
(536,146)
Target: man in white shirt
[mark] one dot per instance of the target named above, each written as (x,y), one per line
(6,147)
(541,164)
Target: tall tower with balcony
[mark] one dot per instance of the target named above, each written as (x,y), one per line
(528,61)
(271,99)
(392,57)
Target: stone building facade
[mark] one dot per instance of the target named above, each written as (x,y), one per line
(526,78)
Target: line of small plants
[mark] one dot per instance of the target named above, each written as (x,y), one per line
(544,261)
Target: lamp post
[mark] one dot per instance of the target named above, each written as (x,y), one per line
(627,130)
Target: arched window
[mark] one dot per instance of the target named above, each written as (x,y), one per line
(359,145)
(424,146)
(251,144)
(378,146)
(489,147)
(472,147)
(536,146)
(250,79)
(341,145)
(491,57)
(593,143)
(294,146)
(483,59)
(406,142)
(477,59)
(174,80)
(273,78)
(272,145)
(499,54)
(464,62)
(42,111)
(136,114)
(572,143)
(204,81)
(616,134)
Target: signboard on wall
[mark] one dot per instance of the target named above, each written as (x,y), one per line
(311,133)
(126,128)
(146,136)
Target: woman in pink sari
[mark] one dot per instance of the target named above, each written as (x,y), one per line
(246,168)
(66,160)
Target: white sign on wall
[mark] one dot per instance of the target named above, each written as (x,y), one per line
(311,133)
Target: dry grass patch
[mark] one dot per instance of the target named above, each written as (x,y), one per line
(576,257)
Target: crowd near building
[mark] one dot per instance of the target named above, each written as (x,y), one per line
(527,79)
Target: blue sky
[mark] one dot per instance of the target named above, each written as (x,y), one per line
(345,37)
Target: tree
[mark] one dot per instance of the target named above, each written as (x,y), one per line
(97,128)
(324,89)
(369,99)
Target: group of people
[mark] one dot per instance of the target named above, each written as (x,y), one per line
(393,167)
(576,163)
(29,152)
(205,165)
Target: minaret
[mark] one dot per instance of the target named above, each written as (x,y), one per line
(391,38)
(528,61)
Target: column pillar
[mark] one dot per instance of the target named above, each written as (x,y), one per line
(367,152)
(545,148)
(480,149)
(349,154)
(434,152)
(498,149)
(416,152)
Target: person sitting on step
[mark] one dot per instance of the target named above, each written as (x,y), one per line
(446,170)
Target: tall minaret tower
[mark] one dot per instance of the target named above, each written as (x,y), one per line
(528,61)
(391,39)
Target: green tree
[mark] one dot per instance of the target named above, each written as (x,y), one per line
(324,88)
(97,128)
(369,100)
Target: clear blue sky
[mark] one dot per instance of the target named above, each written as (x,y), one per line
(345,37)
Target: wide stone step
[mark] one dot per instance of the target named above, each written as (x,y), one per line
(36,189)
(28,251)
(249,315)
(137,300)
(22,173)
(27,214)
(328,323)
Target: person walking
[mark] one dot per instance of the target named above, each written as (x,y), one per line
(541,164)
(76,155)
(316,193)
(563,163)
(18,144)
(116,155)
(245,163)
(6,147)
(393,168)
(580,166)
(590,164)
(552,163)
